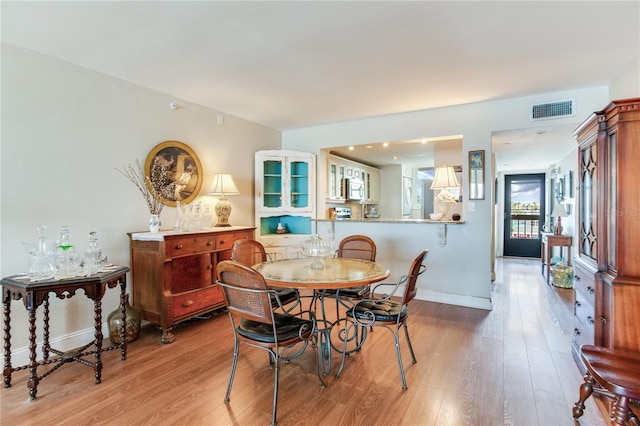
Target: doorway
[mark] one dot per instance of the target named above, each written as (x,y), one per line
(524,203)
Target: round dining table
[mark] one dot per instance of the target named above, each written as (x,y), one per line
(317,274)
(336,273)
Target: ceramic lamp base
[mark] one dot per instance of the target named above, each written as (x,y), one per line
(223,211)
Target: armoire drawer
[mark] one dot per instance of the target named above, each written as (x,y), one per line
(584,318)
(584,284)
(583,334)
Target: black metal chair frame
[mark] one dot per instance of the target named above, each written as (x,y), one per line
(250,304)
(361,315)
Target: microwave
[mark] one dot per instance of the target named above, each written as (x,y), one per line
(355,189)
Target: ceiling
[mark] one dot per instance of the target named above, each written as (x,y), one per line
(294,64)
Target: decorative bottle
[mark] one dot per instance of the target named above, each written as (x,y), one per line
(132,328)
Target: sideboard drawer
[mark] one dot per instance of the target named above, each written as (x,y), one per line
(584,318)
(225,242)
(188,303)
(187,246)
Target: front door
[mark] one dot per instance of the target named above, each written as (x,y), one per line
(524,204)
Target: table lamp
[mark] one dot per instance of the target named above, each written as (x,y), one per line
(222,186)
(559,211)
(444,179)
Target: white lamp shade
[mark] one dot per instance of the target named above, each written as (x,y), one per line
(223,185)
(445,178)
(559,211)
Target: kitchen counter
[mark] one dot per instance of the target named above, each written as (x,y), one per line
(381,220)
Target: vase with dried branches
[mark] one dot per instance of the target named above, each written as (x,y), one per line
(156,189)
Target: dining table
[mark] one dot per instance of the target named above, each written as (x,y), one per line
(320,274)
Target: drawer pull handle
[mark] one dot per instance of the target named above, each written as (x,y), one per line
(603,320)
(577,304)
(577,277)
(179,246)
(590,320)
(209,243)
(221,242)
(590,289)
(576,332)
(187,303)
(209,267)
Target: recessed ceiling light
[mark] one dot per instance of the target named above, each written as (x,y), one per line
(395,158)
(369,146)
(386,144)
(351,148)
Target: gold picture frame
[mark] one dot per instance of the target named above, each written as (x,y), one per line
(174,171)
(476,175)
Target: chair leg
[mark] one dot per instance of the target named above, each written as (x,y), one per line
(397,343)
(633,419)
(236,348)
(275,387)
(620,411)
(406,333)
(586,389)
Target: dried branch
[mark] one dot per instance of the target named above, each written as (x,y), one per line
(154,189)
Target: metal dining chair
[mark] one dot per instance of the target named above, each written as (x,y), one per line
(387,312)
(351,247)
(255,323)
(251,252)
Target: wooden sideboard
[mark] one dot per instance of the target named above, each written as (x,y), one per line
(173,274)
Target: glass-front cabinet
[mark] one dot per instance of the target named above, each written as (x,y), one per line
(607,271)
(588,214)
(335,186)
(285,199)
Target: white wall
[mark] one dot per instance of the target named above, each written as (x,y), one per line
(64,131)
(467,262)
(627,82)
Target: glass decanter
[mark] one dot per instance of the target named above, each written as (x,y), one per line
(66,256)
(93,255)
(41,262)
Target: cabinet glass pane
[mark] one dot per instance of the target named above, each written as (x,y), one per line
(588,205)
(272,177)
(612,203)
(299,184)
(333,173)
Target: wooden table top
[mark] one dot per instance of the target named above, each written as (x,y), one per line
(337,273)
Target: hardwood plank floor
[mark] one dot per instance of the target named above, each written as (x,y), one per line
(510,366)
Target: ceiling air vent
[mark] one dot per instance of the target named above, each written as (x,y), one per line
(558,109)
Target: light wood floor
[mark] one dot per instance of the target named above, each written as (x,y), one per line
(510,366)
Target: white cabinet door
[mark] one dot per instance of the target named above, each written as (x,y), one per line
(299,184)
(270,184)
(335,185)
(372,183)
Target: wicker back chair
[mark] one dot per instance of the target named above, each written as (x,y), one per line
(251,252)
(357,247)
(250,309)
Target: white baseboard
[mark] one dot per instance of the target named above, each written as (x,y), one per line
(455,299)
(20,356)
